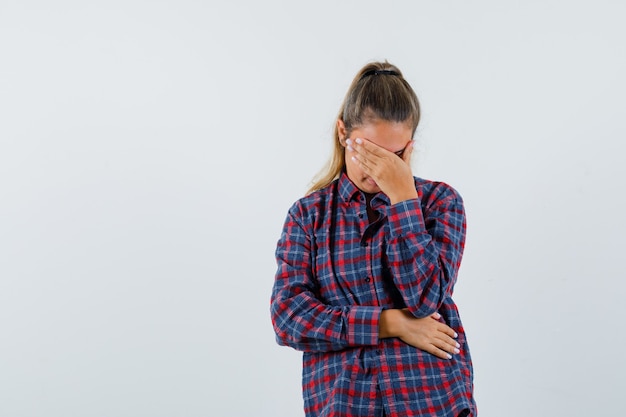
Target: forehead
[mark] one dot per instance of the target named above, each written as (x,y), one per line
(392,136)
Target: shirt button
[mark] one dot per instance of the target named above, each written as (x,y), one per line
(360,215)
(364,244)
(367,279)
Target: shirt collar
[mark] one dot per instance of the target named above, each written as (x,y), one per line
(348,191)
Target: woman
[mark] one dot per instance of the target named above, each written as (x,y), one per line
(367,262)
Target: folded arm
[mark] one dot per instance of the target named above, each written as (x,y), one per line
(424,250)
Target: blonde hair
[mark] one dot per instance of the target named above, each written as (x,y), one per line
(378,92)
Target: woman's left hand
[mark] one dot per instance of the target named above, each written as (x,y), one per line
(391,172)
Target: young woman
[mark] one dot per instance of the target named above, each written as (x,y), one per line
(367,263)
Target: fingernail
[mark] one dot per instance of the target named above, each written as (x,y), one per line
(349,141)
(456,334)
(456,351)
(353,159)
(449,356)
(358,140)
(350,148)
(458,345)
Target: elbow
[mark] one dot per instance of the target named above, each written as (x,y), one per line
(429,299)
(285,330)
(283,336)
(279,324)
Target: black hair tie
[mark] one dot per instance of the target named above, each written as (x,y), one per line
(380,72)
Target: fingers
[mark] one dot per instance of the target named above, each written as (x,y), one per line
(444,343)
(444,328)
(436,337)
(447,330)
(367,149)
(376,160)
(440,353)
(366,154)
(443,348)
(448,345)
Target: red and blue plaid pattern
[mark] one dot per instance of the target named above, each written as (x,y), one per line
(337,272)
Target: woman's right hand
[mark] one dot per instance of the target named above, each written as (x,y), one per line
(427,334)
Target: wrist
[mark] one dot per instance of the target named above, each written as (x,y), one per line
(390,323)
(403,196)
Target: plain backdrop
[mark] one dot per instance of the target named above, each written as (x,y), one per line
(149,151)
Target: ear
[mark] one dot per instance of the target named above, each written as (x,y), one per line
(341,130)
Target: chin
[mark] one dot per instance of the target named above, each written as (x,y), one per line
(370,189)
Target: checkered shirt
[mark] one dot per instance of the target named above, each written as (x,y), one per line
(337,272)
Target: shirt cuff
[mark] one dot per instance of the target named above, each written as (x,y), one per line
(363,325)
(406,216)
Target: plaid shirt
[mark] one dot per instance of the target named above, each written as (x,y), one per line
(337,272)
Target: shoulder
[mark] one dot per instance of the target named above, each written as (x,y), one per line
(310,207)
(435,193)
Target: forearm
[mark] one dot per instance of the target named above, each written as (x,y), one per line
(304,323)
(420,275)
(389,324)
(424,254)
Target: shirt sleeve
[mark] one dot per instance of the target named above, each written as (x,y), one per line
(425,249)
(299,318)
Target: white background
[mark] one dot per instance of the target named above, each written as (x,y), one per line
(149,151)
